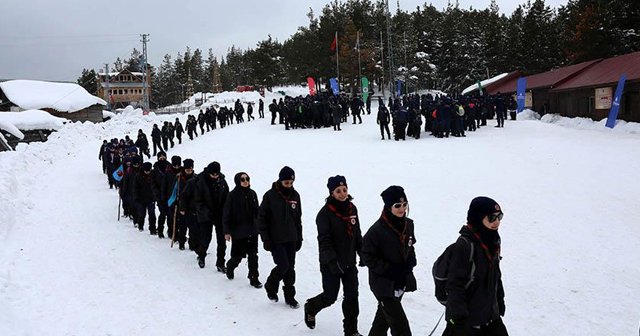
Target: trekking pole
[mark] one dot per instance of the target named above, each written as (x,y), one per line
(119,202)
(436,327)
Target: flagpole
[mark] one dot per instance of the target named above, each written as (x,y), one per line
(337,60)
(359,66)
(382,63)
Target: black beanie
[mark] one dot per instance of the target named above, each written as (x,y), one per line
(392,195)
(480,207)
(236,178)
(187,164)
(286,173)
(176,160)
(214,167)
(161,153)
(147,166)
(136,161)
(336,181)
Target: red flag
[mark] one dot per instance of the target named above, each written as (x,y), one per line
(333,44)
(312,86)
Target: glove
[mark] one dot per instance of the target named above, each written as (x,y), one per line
(335,269)
(267,245)
(298,245)
(458,327)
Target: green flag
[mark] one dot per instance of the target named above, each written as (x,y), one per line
(480,87)
(365,89)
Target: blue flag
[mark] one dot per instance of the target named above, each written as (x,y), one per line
(118,174)
(521,94)
(174,195)
(398,87)
(615,106)
(334,86)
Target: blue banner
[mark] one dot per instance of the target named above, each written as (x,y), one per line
(521,94)
(334,86)
(118,174)
(398,87)
(174,195)
(615,106)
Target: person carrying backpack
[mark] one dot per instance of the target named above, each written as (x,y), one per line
(474,294)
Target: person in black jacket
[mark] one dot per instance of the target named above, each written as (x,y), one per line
(166,189)
(240,224)
(144,196)
(156,136)
(280,225)
(339,240)
(159,170)
(388,251)
(183,221)
(476,310)
(383,118)
(179,130)
(208,196)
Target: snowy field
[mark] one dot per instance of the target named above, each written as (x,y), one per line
(571,239)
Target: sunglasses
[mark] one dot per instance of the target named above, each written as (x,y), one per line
(244,179)
(400,205)
(493,217)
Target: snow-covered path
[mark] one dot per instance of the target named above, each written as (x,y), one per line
(570,236)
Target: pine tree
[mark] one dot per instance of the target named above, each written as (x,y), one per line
(89,81)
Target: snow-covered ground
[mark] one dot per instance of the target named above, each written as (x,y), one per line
(571,239)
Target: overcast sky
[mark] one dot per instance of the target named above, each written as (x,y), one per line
(55,40)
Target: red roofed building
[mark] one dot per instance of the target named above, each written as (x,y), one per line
(582,90)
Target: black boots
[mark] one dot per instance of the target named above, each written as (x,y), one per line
(231,266)
(309,314)
(271,287)
(289,297)
(201,261)
(253,281)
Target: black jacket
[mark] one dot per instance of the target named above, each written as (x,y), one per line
(185,194)
(483,300)
(240,215)
(144,190)
(207,197)
(280,216)
(390,260)
(339,235)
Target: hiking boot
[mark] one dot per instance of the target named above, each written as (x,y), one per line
(152,232)
(221,269)
(292,302)
(201,262)
(181,246)
(160,235)
(309,318)
(255,282)
(272,293)
(229,272)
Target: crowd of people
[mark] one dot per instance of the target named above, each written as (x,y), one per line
(193,207)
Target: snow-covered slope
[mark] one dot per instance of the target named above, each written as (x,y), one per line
(570,235)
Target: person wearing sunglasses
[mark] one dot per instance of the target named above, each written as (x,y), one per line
(239,222)
(476,309)
(388,251)
(280,226)
(339,240)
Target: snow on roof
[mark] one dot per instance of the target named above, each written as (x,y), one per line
(63,97)
(117,73)
(11,128)
(31,120)
(484,83)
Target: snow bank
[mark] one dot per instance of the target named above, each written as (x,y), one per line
(588,124)
(130,110)
(230,97)
(108,114)
(528,114)
(484,83)
(63,97)
(32,120)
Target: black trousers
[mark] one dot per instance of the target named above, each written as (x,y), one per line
(495,328)
(156,144)
(142,210)
(205,232)
(246,247)
(329,295)
(284,256)
(163,215)
(390,315)
(383,128)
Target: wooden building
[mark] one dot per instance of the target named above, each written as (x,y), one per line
(123,88)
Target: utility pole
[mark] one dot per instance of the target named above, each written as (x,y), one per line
(107,95)
(359,66)
(145,74)
(382,64)
(392,76)
(406,64)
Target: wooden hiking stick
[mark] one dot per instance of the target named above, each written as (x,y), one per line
(175,212)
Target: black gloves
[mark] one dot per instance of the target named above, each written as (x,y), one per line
(267,245)
(298,245)
(458,327)
(335,269)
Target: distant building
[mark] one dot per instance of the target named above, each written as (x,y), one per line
(65,100)
(581,90)
(123,88)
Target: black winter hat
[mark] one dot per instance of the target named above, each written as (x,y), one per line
(136,161)
(214,167)
(336,181)
(286,173)
(480,207)
(176,160)
(392,195)
(161,153)
(187,164)
(147,166)
(236,178)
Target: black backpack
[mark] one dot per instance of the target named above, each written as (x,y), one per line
(440,271)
